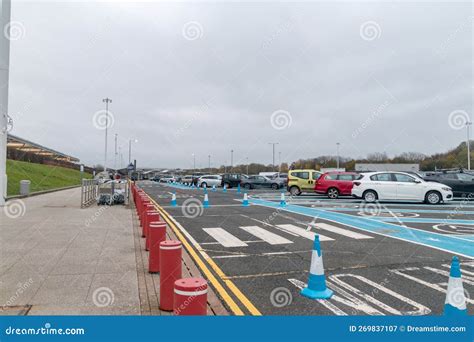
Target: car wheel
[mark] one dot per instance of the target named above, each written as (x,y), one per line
(370,196)
(275,186)
(203,185)
(248,186)
(295,191)
(433,197)
(333,193)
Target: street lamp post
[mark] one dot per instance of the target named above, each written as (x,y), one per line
(468,144)
(107,101)
(130,149)
(115,152)
(337,144)
(247,165)
(209,163)
(5,6)
(273,155)
(231,159)
(279,162)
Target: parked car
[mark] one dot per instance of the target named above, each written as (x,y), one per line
(375,186)
(207,181)
(231,180)
(281,178)
(300,181)
(155,179)
(257,181)
(187,179)
(461,182)
(335,184)
(167,179)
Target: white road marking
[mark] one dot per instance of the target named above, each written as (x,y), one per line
(420,308)
(422,282)
(340,231)
(327,304)
(463,271)
(302,232)
(256,255)
(265,235)
(225,238)
(466,279)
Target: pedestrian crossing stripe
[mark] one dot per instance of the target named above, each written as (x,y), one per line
(302,232)
(225,238)
(341,231)
(265,235)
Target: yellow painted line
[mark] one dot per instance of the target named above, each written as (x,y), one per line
(225,295)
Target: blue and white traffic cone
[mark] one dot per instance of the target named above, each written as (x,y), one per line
(282,200)
(213,188)
(206,201)
(245,202)
(224,189)
(173,200)
(455,303)
(238,188)
(316,288)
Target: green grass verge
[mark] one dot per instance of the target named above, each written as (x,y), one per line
(42,177)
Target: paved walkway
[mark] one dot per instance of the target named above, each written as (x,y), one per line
(56,258)
(59,259)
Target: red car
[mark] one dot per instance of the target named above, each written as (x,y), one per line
(335,184)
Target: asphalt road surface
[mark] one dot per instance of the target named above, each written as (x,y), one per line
(379,259)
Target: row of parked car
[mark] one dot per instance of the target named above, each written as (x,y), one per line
(230,180)
(432,187)
(429,187)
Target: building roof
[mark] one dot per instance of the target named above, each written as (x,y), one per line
(24,145)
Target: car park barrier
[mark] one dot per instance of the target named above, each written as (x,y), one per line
(245,202)
(151,216)
(206,201)
(170,271)
(156,235)
(316,288)
(173,200)
(455,303)
(190,297)
(141,215)
(88,192)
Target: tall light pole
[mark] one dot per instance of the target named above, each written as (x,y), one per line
(130,149)
(247,165)
(273,158)
(115,152)
(4,79)
(279,162)
(468,126)
(107,101)
(231,159)
(337,146)
(209,164)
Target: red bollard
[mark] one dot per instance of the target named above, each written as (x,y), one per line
(149,208)
(151,216)
(190,297)
(156,234)
(143,209)
(170,271)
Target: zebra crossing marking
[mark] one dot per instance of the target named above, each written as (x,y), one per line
(225,238)
(271,238)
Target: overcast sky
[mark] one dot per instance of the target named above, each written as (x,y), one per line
(205,78)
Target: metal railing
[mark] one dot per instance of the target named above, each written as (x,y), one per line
(88,192)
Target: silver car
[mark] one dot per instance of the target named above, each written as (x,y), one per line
(207,181)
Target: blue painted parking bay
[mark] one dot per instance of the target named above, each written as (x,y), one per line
(438,241)
(422,220)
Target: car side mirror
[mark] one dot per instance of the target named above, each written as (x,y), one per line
(417,181)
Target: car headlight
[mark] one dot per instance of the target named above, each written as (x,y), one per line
(446,189)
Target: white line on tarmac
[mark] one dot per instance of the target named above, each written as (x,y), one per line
(225,238)
(303,232)
(271,238)
(422,282)
(327,304)
(341,231)
(258,255)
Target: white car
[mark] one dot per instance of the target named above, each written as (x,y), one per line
(373,186)
(207,181)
